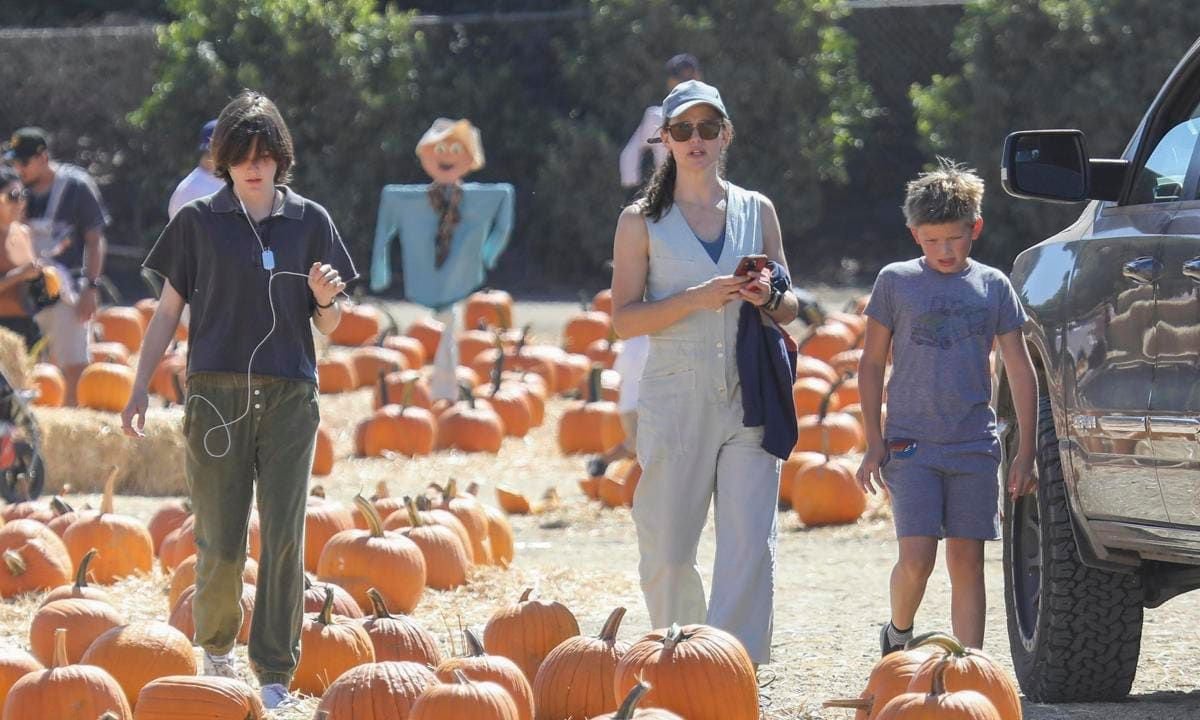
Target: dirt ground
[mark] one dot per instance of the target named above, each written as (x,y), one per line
(831,585)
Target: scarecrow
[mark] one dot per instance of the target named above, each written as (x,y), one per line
(450,232)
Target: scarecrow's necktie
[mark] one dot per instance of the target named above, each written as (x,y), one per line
(445,200)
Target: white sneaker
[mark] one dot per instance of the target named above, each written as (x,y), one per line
(277,697)
(221,665)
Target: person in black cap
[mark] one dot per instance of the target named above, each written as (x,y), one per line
(683,66)
(67,218)
(200,182)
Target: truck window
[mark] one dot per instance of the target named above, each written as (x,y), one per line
(1162,177)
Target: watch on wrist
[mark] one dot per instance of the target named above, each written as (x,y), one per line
(331,303)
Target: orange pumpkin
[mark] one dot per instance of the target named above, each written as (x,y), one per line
(322,520)
(109,352)
(50,384)
(500,537)
(604,351)
(408,387)
(182,619)
(32,558)
(330,645)
(123,541)
(827,340)
(528,630)
(359,325)
(410,347)
(470,425)
(602,301)
(473,342)
(465,699)
(80,589)
(961,668)
(169,515)
(323,453)
(352,559)
(814,367)
(576,678)
(593,426)
(381,690)
(847,392)
(14,665)
(85,619)
(610,385)
(428,332)
(399,637)
(335,374)
(65,689)
(401,518)
(828,494)
(64,515)
(846,361)
(170,377)
(105,386)
(792,467)
(512,501)
(189,697)
(697,671)
(121,324)
(940,703)
(469,511)
(488,308)
(890,677)
(178,545)
(584,328)
(478,665)
(809,392)
(184,577)
(371,361)
(510,401)
(404,428)
(141,652)
(447,560)
(343,602)
(628,709)
(590,486)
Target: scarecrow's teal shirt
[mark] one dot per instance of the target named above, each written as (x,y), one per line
(480,238)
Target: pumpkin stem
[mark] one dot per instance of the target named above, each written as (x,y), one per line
(525,595)
(938,687)
(674,635)
(498,366)
(307,582)
(326,615)
(584,301)
(372,515)
(384,400)
(60,506)
(81,573)
(60,649)
(106,504)
(629,706)
(521,340)
(823,410)
(15,563)
(451,491)
(465,394)
(474,645)
(594,376)
(406,398)
(473,488)
(946,641)
(381,490)
(460,678)
(608,633)
(414,517)
(378,604)
(850,704)
(317,491)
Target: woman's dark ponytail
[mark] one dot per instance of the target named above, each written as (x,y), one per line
(659,193)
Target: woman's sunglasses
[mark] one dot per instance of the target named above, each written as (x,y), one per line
(15,194)
(682,132)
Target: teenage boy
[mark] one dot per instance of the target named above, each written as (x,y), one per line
(251,413)
(67,218)
(938,315)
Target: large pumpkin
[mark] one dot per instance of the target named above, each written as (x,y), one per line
(169,515)
(410,347)
(124,542)
(939,703)
(329,646)
(359,325)
(140,652)
(32,558)
(361,559)
(85,619)
(50,384)
(576,678)
(697,671)
(470,425)
(488,308)
(796,463)
(964,668)
(501,540)
(188,697)
(827,340)
(407,387)
(399,637)
(323,452)
(335,374)
(184,576)
(828,494)
(890,677)
(344,603)
(584,328)
(183,619)
(121,324)
(371,361)
(105,386)
(14,665)
(385,690)
(322,520)
(403,429)
(66,690)
(80,589)
(478,665)
(470,513)
(628,709)
(447,560)
(592,426)
(528,630)
(465,699)
(428,332)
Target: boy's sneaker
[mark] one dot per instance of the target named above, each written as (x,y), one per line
(891,639)
(276,697)
(221,665)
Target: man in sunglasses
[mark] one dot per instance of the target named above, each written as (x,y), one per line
(67,218)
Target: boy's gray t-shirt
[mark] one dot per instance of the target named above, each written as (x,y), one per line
(943,326)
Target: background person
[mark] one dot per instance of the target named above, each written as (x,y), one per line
(67,218)
(675,254)
(680,68)
(200,182)
(18,265)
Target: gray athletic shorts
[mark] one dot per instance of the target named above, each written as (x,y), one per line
(944,490)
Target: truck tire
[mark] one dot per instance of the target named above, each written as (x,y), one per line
(1074,631)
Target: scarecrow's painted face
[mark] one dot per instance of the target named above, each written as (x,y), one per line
(446,161)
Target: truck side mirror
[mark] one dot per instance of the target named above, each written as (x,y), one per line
(1054,165)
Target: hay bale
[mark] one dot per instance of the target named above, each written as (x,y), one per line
(80,445)
(15,362)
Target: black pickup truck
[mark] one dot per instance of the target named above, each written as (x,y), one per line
(1114,330)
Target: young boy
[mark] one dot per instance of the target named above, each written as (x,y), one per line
(938,315)
(259,266)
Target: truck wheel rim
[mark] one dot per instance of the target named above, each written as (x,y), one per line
(1027,570)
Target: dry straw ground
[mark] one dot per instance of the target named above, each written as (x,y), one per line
(830,597)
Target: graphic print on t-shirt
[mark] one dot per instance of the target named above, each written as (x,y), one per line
(948,321)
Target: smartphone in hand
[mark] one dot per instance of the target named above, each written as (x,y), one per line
(750,265)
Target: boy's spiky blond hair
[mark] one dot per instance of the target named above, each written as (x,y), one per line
(951,192)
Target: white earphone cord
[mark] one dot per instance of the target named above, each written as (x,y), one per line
(250,365)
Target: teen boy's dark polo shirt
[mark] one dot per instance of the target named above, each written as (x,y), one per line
(209,254)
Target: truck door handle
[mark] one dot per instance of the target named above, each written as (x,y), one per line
(1191,269)
(1143,270)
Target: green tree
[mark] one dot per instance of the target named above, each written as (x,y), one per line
(339,72)
(1088,64)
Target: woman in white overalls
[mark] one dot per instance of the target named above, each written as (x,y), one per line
(674,257)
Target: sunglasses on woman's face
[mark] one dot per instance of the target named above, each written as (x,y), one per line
(13,194)
(682,132)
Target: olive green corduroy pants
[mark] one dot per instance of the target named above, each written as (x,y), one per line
(265,457)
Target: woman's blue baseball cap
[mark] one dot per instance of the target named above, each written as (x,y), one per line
(689,94)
